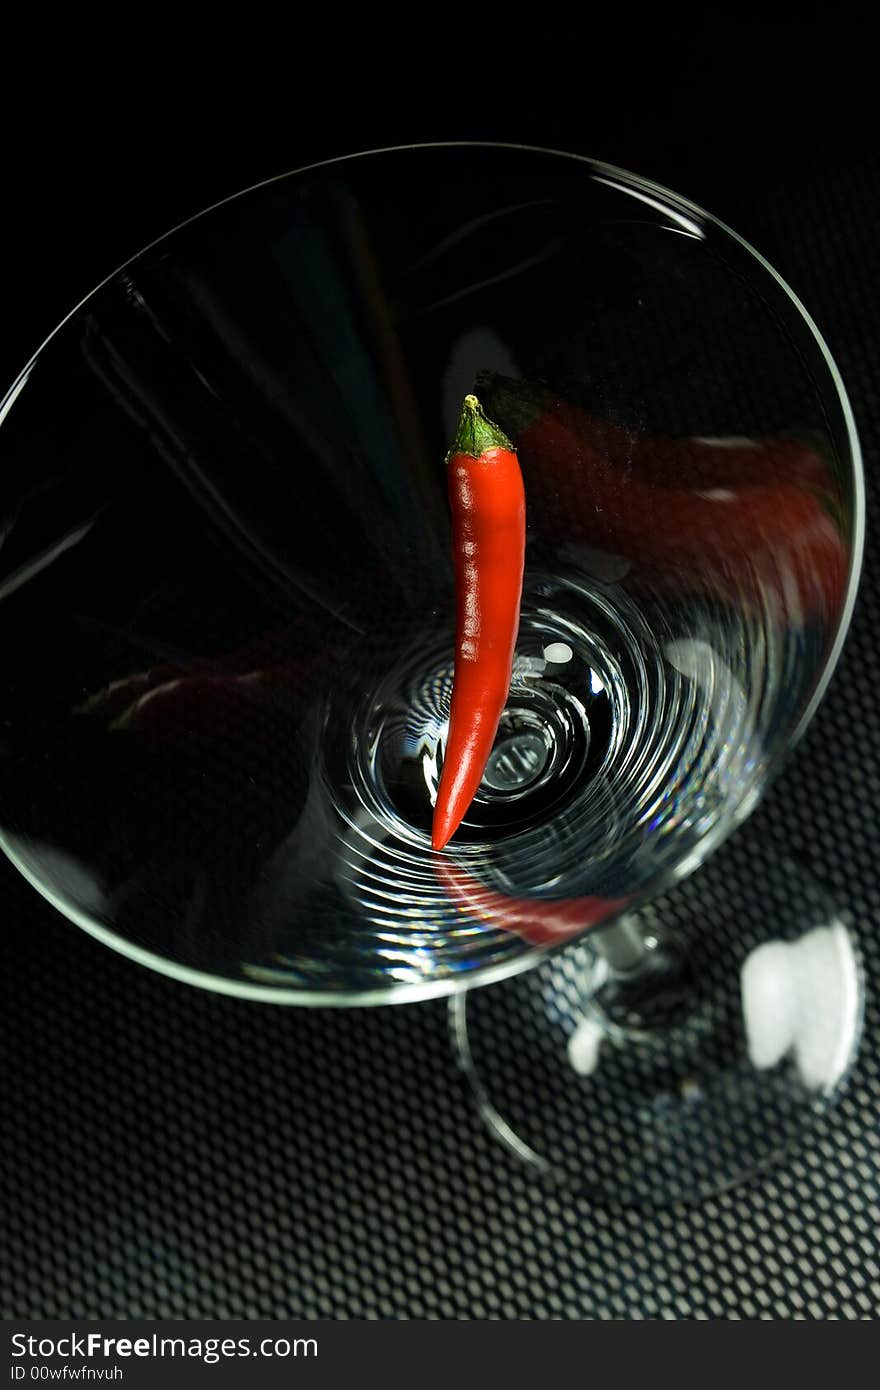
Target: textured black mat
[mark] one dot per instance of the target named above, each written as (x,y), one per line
(165,1152)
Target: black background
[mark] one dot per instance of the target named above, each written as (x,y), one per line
(112,136)
(167,1153)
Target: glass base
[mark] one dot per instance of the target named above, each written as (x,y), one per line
(645,1065)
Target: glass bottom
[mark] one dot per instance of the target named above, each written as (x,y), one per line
(646,1065)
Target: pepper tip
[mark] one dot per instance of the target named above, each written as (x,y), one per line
(440,839)
(444,827)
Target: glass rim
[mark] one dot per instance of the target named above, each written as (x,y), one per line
(414,992)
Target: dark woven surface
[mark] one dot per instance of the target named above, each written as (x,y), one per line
(165,1152)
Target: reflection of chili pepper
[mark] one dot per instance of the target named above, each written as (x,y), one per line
(212,706)
(767,540)
(247,690)
(683,464)
(537,921)
(488,546)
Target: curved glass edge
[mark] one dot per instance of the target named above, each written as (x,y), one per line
(272,994)
(398,993)
(489,974)
(858,480)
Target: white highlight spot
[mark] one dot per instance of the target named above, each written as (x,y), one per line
(46,557)
(802,998)
(685,224)
(584,1045)
(13,393)
(558,652)
(728,441)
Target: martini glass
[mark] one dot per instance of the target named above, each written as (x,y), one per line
(227,617)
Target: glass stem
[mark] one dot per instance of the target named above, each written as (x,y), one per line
(623,945)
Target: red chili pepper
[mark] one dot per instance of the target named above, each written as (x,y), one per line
(488,546)
(768,540)
(538,921)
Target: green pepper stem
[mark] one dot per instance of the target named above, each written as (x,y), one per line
(476,432)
